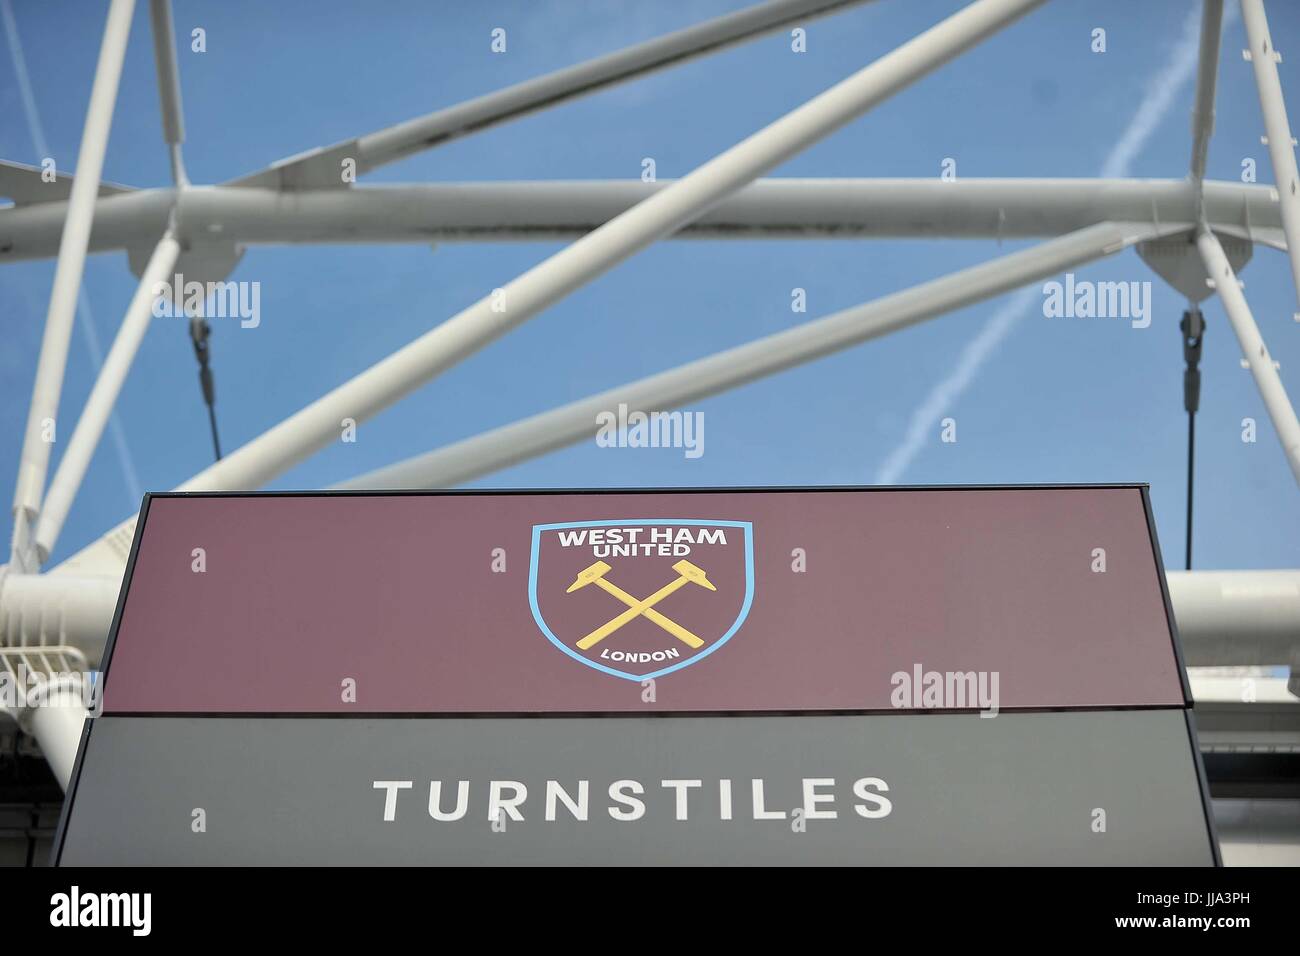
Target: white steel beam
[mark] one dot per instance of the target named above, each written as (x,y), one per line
(1207,74)
(562,426)
(169,84)
(404,139)
(55,715)
(539,434)
(33,230)
(99,404)
(53,609)
(1237,617)
(766,209)
(1252,345)
(43,413)
(1281,148)
(660,215)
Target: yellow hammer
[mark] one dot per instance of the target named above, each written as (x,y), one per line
(687,573)
(667,623)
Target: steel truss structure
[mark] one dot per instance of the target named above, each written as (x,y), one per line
(1225,617)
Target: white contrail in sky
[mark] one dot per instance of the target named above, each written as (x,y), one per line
(1161,92)
(89,336)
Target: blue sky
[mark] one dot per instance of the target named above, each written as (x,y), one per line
(1051,401)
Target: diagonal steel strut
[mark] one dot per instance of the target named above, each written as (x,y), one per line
(1267,380)
(1281,148)
(433,129)
(43,413)
(567,424)
(316,425)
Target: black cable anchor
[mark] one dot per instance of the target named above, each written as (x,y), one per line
(199,332)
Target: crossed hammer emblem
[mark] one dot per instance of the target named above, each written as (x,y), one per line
(687,573)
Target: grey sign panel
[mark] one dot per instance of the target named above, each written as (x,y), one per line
(1077,788)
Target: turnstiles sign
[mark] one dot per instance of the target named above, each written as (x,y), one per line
(892,676)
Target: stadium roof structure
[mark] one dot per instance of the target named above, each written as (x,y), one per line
(1195,233)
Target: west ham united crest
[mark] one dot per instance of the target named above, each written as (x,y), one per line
(640,598)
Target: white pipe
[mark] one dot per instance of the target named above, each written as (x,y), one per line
(35,455)
(169,84)
(562,426)
(424,132)
(169,80)
(422,213)
(542,433)
(1237,617)
(35,230)
(1280,148)
(1252,347)
(68,609)
(767,208)
(403,139)
(99,404)
(54,715)
(317,425)
(1207,74)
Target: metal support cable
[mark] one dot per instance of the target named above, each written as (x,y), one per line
(1192,327)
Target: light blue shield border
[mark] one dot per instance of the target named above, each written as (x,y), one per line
(740,618)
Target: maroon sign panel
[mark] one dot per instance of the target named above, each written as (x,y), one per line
(781,600)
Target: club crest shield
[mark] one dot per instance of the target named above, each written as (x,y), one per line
(641,598)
